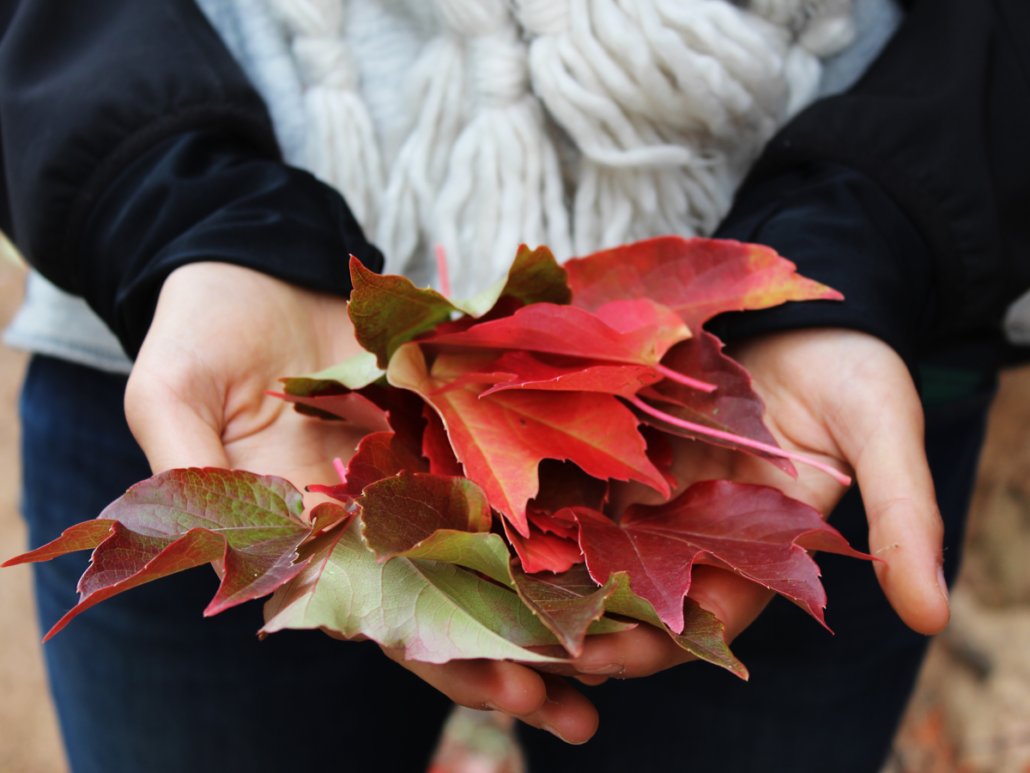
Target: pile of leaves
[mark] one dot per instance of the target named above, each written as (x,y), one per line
(474,519)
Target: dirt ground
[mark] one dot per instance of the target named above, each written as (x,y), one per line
(970,714)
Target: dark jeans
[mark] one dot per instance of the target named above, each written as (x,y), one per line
(144,684)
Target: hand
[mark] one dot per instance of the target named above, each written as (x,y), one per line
(847,399)
(222,335)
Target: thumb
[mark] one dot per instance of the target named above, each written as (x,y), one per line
(173,429)
(905,528)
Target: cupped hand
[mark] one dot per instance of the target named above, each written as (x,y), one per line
(220,337)
(846,399)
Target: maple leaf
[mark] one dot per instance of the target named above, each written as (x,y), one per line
(350,406)
(437,448)
(397,513)
(543,550)
(696,278)
(184,518)
(500,439)
(379,455)
(703,634)
(636,332)
(734,408)
(522,370)
(756,531)
(434,611)
(567,603)
(388,311)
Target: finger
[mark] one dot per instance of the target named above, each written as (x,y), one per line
(481,684)
(172,430)
(566,713)
(646,650)
(905,528)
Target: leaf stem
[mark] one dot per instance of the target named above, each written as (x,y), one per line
(694,383)
(837,475)
(441,271)
(341,469)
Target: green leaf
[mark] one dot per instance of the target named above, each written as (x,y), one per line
(703,634)
(388,311)
(534,277)
(355,373)
(434,611)
(571,604)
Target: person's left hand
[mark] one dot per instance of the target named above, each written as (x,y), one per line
(846,399)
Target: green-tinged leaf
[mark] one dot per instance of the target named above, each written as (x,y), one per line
(184,518)
(481,552)
(534,277)
(399,512)
(569,604)
(379,455)
(81,536)
(355,373)
(703,634)
(388,311)
(434,611)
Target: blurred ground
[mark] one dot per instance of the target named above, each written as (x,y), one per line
(971,712)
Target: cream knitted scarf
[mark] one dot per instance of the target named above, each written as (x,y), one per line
(579,124)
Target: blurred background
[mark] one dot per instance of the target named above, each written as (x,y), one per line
(970,714)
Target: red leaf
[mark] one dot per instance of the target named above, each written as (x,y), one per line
(543,552)
(437,448)
(545,327)
(659,451)
(754,530)
(81,536)
(181,519)
(500,439)
(563,484)
(379,455)
(734,407)
(696,278)
(400,512)
(522,370)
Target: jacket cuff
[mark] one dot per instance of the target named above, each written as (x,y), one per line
(205,196)
(843,230)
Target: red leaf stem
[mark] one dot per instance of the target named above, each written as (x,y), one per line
(700,429)
(669,373)
(441,270)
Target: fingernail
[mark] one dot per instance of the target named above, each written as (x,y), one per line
(606,670)
(558,735)
(943,583)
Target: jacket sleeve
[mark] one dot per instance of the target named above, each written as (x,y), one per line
(908,193)
(131,143)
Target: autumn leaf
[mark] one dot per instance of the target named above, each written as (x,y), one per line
(703,635)
(523,370)
(734,407)
(355,373)
(500,439)
(398,513)
(567,603)
(434,611)
(543,551)
(185,518)
(696,278)
(566,330)
(754,530)
(534,277)
(379,455)
(437,448)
